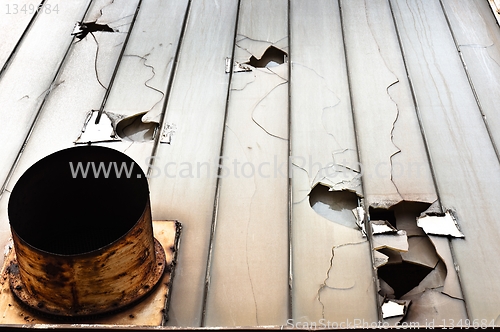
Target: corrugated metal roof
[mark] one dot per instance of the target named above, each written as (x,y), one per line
(262,124)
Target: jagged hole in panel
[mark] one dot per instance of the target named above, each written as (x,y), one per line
(383,214)
(82,29)
(405,270)
(272,57)
(335,206)
(133,129)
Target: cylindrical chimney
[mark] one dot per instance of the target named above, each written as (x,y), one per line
(82,231)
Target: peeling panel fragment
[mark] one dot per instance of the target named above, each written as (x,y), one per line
(168,133)
(380,259)
(360,215)
(394,308)
(451,285)
(101,132)
(382,226)
(398,241)
(394,256)
(440,225)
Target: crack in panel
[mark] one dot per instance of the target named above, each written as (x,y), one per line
(325,285)
(144,60)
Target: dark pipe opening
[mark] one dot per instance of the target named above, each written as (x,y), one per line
(76,200)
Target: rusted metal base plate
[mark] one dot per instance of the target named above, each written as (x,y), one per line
(151,311)
(18,288)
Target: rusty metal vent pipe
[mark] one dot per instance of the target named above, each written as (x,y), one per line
(82,233)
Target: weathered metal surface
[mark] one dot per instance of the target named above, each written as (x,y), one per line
(15,19)
(28,79)
(85,75)
(248,285)
(326,255)
(181,189)
(145,70)
(477,37)
(392,152)
(100,260)
(331,267)
(152,311)
(461,151)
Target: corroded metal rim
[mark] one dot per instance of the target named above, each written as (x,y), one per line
(19,290)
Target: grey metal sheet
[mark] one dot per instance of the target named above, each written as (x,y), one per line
(478,38)
(195,109)
(141,82)
(331,266)
(15,18)
(466,166)
(88,66)
(392,151)
(29,79)
(137,96)
(249,265)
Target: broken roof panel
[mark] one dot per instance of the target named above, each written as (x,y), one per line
(406,87)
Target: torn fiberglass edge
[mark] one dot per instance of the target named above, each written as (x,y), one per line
(440,225)
(411,266)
